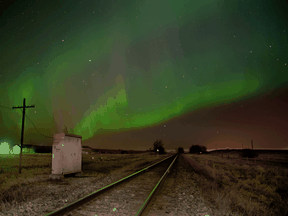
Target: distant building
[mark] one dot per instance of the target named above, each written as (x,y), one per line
(87,150)
(42,149)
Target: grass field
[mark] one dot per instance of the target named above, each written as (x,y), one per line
(243,186)
(37,167)
(230,183)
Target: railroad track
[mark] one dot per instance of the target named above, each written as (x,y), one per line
(127,196)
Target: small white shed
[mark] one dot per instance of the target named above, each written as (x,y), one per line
(66,155)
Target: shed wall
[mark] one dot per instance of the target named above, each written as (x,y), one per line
(66,154)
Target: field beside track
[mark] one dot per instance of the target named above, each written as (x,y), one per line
(266,155)
(16,189)
(246,186)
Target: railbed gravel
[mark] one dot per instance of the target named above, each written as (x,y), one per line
(180,195)
(55,195)
(127,198)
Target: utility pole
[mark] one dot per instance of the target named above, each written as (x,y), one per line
(252,144)
(22,133)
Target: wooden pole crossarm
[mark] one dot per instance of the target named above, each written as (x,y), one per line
(23,107)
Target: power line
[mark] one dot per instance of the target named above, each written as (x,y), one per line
(13,119)
(13,130)
(6,107)
(29,120)
(36,128)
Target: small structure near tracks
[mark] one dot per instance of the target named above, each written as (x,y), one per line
(66,155)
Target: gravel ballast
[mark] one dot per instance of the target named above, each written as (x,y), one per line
(46,196)
(179,194)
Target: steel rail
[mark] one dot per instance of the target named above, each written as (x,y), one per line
(93,195)
(144,206)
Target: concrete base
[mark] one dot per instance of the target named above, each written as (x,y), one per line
(62,176)
(79,174)
(56,176)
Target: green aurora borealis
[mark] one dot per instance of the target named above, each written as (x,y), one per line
(106,67)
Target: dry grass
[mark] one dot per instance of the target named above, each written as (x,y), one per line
(15,188)
(242,187)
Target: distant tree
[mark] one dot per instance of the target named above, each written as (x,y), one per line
(158,144)
(180,150)
(32,142)
(203,149)
(65,130)
(43,149)
(249,153)
(197,149)
(71,131)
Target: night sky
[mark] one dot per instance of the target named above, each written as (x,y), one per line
(124,73)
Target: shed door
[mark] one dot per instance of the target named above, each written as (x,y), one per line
(57,160)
